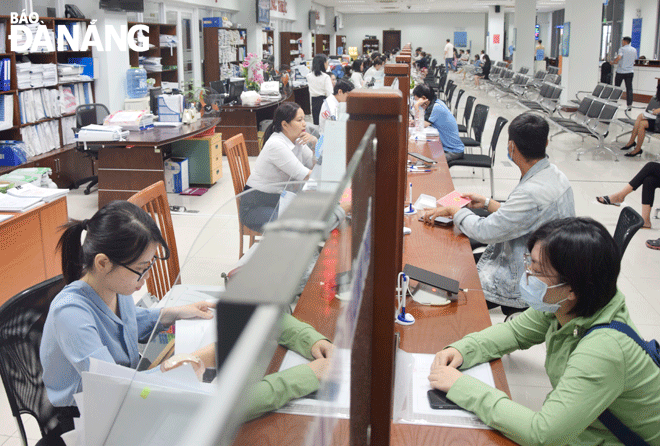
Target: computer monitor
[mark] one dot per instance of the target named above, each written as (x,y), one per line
(236,87)
(217,87)
(153,99)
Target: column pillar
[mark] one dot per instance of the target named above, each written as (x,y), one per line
(495,44)
(525,20)
(584,46)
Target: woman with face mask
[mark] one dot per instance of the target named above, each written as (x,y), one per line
(569,282)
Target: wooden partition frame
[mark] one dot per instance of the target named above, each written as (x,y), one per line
(372,362)
(403,59)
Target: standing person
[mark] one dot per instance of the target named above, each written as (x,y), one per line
(319,83)
(570,282)
(442,120)
(624,71)
(331,103)
(449,55)
(542,195)
(284,157)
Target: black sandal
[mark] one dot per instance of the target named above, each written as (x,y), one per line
(653,244)
(605,199)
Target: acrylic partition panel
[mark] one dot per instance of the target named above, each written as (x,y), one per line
(312,254)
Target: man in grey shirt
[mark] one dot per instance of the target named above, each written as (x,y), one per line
(624,71)
(543,194)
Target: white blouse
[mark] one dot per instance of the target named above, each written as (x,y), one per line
(319,85)
(280,161)
(357,80)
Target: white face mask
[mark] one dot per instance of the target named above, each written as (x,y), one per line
(533,290)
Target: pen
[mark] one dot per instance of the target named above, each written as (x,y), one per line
(411,206)
(418,170)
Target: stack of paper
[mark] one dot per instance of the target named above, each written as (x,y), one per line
(41,138)
(151,64)
(130,119)
(68,124)
(9,203)
(94,132)
(73,95)
(35,105)
(42,193)
(70,72)
(39,176)
(36,75)
(23,74)
(49,74)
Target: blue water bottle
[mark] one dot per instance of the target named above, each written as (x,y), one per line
(136,83)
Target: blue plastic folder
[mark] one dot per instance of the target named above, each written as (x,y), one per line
(5,74)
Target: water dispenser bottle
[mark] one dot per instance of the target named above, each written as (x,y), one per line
(136,83)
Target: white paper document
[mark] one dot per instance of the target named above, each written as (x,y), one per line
(339,388)
(411,404)
(191,335)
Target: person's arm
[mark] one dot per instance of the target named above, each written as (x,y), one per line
(328,86)
(146,319)
(283,158)
(593,379)
(201,310)
(298,336)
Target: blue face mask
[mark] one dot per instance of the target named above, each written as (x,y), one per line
(508,154)
(533,290)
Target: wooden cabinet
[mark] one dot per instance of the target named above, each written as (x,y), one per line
(290,47)
(340,42)
(28,250)
(267,43)
(370,45)
(167,54)
(204,158)
(321,44)
(213,61)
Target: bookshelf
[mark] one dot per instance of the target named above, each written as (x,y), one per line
(290,47)
(167,55)
(66,163)
(267,45)
(340,42)
(321,44)
(222,47)
(369,45)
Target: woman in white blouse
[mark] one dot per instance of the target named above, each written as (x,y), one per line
(319,83)
(376,72)
(284,157)
(356,77)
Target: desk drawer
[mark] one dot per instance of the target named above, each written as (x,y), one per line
(133,158)
(129,180)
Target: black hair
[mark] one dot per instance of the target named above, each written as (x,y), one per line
(318,64)
(540,41)
(348,70)
(423,90)
(657,92)
(419,48)
(343,85)
(529,132)
(374,55)
(585,256)
(358,65)
(379,61)
(448,40)
(120,230)
(285,112)
(627,39)
(486,58)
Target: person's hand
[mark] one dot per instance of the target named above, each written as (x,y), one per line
(306,138)
(422,103)
(322,349)
(447,357)
(441,211)
(320,367)
(443,377)
(178,360)
(476,201)
(202,310)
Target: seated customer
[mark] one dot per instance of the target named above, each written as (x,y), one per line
(442,120)
(543,194)
(570,281)
(94,316)
(285,157)
(645,122)
(375,72)
(649,179)
(485,70)
(331,103)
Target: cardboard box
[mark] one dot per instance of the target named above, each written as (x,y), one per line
(176,175)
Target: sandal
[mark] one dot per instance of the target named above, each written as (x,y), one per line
(653,244)
(605,199)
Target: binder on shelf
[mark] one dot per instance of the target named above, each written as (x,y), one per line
(5,70)
(86,62)
(6,111)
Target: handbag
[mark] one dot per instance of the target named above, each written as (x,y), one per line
(652,348)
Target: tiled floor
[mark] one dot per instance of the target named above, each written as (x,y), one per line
(593,175)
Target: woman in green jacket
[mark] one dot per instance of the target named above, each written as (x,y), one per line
(570,285)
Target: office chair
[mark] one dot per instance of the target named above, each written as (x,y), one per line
(22,321)
(477,127)
(467,114)
(484,161)
(458,101)
(164,273)
(628,224)
(240,172)
(86,115)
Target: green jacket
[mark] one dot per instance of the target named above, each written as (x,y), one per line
(276,389)
(606,369)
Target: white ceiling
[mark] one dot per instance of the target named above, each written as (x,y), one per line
(426,6)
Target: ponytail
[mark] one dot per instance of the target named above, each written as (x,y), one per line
(120,230)
(70,247)
(285,112)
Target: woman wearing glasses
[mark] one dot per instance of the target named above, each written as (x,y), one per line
(570,283)
(94,316)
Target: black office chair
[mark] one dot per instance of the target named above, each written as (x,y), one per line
(467,114)
(22,321)
(458,101)
(450,93)
(628,224)
(477,127)
(86,115)
(484,161)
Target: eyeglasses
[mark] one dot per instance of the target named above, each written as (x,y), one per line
(527,262)
(143,273)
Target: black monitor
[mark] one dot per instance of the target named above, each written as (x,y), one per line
(236,87)
(217,87)
(153,99)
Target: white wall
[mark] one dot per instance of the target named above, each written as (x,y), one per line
(495,27)
(544,20)
(649,15)
(430,31)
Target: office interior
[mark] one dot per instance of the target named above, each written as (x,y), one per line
(422,24)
